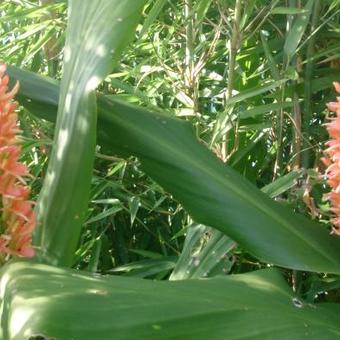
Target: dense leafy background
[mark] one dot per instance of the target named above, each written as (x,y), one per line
(250,79)
(179,63)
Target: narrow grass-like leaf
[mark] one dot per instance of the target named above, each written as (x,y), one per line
(145,268)
(272,64)
(201,10)
(299,27)
(261,109)
(104,214)
(288,10)
(204,250)
(254,92)
(152,15)
(282,184)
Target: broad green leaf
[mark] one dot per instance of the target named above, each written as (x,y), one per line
(37,93)
(205,250)
(212,193)
(296,32)
(65,304)
(96,34)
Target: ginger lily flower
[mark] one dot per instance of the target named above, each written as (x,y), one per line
(332,161)
(17,218)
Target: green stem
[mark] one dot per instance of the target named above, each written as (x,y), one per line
(280,114)
(308,105)
(296,147)
(190,79)
(51,48)
(234,46)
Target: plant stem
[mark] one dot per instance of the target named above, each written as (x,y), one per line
(233,48)
(51,49)
(308,105)
(190,78)
(280,114)
(296,146)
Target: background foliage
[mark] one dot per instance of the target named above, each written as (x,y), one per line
(251,78)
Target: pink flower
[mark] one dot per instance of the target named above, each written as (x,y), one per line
(17,220)
(332,161)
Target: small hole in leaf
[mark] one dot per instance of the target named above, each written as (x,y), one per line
(297,303)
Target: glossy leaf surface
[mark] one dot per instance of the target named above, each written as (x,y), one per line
(96,34)
(213,193)
(64,304)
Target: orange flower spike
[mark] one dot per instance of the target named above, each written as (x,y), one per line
(17,215)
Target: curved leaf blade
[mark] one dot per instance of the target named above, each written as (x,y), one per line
(214,194)
(96,34)
(65,304)
(296,33)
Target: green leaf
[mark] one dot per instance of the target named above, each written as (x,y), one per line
(96,34)
(134,204)
(37,93)
(202,8)
(261,109)
(294,35)
(65,304)
(215,194)
(34,12)
(110,211)
(95,255)
(204,251)
(152,15)
(271,61)
(254,92)
(145,268)
(212,193)
(147,253)
(282,184)
(288,10)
